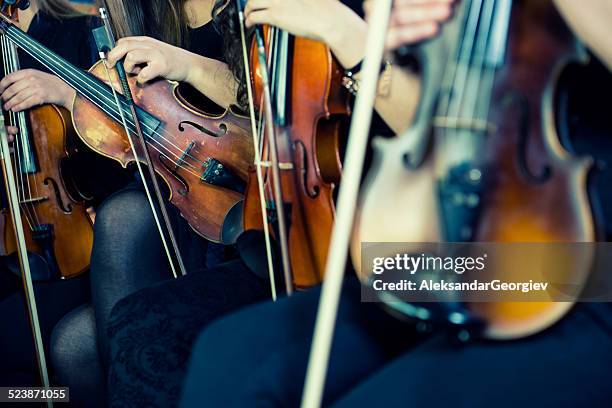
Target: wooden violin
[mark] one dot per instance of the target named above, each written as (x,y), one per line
(58,228)
(202,158)
(309,105)
(489,167)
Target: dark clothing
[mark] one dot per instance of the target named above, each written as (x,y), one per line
(128,259)
(72,353)
(54,299)
(70,38)
(261,352)
(257,357)
(207,41)
(128,254)
(152,332)
(564,366)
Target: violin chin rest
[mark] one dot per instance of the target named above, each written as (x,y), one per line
(233,224)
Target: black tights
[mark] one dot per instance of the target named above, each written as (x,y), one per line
(122,262)
(127,257)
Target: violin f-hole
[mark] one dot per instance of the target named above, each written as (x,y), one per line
(222,128)
(67,208)
(524,124)
(172,168)
(301,169)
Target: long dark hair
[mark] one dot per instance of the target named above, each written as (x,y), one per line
(165,20)
(225,18)
(59,9)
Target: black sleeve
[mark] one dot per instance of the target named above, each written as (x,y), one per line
(355,5)
(71,38)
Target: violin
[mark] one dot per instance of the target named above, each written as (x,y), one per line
(482,162)
(490,167)
(202,158)
(309,105)
(58,228)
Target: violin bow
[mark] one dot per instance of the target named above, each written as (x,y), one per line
(22,252)
(274,164)
(105,41)
(347,201)
(256,143)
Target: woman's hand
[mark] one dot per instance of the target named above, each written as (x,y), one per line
(314,19)
(27,88)
(414,20)
(150,58)
(327,21)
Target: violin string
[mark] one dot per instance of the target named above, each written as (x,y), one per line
(479,88)
(458,73)
(474,79)
(106,108)
(109,106)
(23,124)
(276,188)
(490,70)
(257,144)
(271,45)
(22,136)
(452,62)
(94,85)
(16,147)
(465,59)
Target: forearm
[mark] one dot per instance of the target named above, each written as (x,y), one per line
(213,79)
(398,98)
(399,94)
(67,98)
(591,22)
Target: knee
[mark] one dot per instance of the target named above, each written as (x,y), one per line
(75,358)
(126,210)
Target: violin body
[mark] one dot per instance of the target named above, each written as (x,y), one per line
(534,190)
(185,140)
(309,158)
(58,227)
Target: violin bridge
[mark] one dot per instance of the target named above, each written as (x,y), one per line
(474,124)
(34,200)
(181,160)
(281,166)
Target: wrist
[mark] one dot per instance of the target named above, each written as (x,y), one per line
(67,96)
(192,69)
(346,41)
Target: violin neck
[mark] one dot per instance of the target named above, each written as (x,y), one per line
(70,74)
(24,150)
(85,84)
(280,61)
